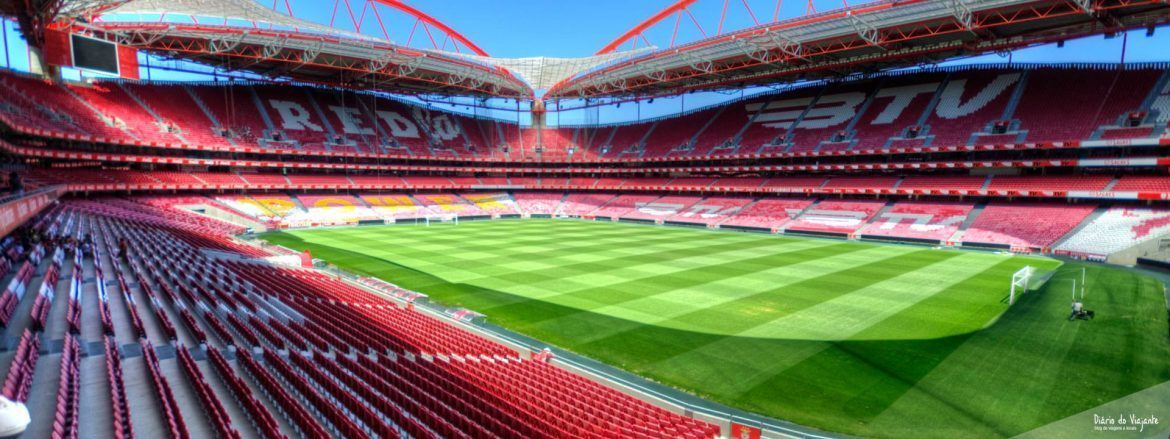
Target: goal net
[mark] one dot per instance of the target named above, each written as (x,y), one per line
(447,218)
(1020,282)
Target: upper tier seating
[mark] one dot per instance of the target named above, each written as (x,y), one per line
(1049,183)
(675,132)
(899,104)
(235,110)
(175,106)
(1062,104)
(135,121)
(820,126)
(690,182)
(17,107)
(773,117)
(929,184)
(494,181)
(424,182)
(861,184)
(723,126)
(276,180)
(377,180)
(794,184)
(896,111)
(1139,183)
(218,178)
(971,102)
(314,179)
(740,183)
(528,181)
(1117,229)
(1025,224)
(1127,133)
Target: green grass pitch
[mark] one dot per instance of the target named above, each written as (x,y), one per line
(858,338)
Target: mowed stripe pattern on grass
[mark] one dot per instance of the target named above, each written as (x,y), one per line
(840,335)
(721,283)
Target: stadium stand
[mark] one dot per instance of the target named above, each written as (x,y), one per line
(493,203)
(395,206)
(280,346)
(333,209)
(771,214)
(710,210)
(934,222)
(1056,183)
(539,203)
(939,185)
(662,208)
(1117,229)
(449,204)
(953,108)
(584,204)
(834,216)
(1142,183)
(1030,159)
(623,205)
(1024,225)
(1084,106)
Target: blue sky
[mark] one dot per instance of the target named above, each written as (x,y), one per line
(522,28)
(515,28)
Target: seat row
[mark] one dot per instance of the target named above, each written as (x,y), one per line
(24,363)
(68,390)
(164,395)
(119,404)
(298,338)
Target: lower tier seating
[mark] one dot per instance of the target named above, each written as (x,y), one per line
(254,349)
(768,214)
(835,216)
(1117,229)
(927,221)
(1029,225)
(539,203)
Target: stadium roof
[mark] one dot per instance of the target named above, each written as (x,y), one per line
(870,37)
(247,35)
(544,72)
(232,10)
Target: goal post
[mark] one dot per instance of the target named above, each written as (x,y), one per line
(446,218)
(1020,282)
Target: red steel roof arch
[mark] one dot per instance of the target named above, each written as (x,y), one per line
(645,24)
(428,19)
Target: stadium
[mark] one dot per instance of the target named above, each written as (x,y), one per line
(529,219)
